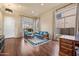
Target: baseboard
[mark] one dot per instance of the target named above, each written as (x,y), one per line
(14,38)
(54,40)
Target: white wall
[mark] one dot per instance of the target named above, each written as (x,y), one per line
(46,23)
(18,26)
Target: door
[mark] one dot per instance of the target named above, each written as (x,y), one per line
(9,27)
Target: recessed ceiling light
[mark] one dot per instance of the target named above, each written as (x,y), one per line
(32,12)
(19,6)
(9,5)
(42,4)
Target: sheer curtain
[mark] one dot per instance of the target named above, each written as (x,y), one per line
(9,27)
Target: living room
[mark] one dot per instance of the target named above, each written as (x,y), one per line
(38,29)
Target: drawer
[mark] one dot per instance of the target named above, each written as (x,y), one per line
(66,41)
(66,50)
(66,45)
(62,47)
(62,54)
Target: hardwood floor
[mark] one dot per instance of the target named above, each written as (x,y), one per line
(18,47)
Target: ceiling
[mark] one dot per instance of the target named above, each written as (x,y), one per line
(31,9)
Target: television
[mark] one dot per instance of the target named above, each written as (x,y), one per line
(30,30)
(67,31)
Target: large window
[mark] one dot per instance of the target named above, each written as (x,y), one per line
(65,21)
(9,27)
(31,23)
(27,22)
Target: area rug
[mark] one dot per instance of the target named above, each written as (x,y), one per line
(37,41)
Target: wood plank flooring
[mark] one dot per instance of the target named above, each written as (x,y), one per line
(18,47)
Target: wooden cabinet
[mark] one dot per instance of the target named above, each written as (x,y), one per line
(67,47)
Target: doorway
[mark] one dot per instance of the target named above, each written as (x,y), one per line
(9,27)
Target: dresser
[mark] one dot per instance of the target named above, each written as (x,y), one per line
(67,46)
